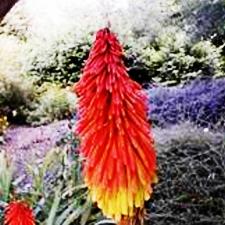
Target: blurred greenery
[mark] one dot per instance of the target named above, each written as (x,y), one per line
(57,191)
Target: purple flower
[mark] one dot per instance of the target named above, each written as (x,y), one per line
(201,102)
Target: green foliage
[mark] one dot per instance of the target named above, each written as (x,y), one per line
(57,193)
(52,103)
(171,59)
(16,93)
(21,100)
(5,182)
(62,64)
(156,53)
(6,172)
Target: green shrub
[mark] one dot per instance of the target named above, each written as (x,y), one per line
(6,176)
(53,103)
(24,102)
(171,60)
(16,91)
(61,64)
(16,94)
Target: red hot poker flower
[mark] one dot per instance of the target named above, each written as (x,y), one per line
(18,213)
(115,136)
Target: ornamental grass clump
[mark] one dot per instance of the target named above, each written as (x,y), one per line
(120,160)
(191,164)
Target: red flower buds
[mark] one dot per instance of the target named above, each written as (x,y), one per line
(115,136)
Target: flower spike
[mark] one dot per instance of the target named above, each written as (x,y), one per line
(115,135)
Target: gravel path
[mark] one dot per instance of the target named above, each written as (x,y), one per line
(27,144)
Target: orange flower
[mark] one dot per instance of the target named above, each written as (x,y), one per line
(18,213)
(115,135)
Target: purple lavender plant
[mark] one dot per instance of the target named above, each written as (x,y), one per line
(201,102)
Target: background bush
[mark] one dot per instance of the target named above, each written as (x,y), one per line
(22,101)
(53,103)
(61,65)
(171,59)
(178,45)
(16,94)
